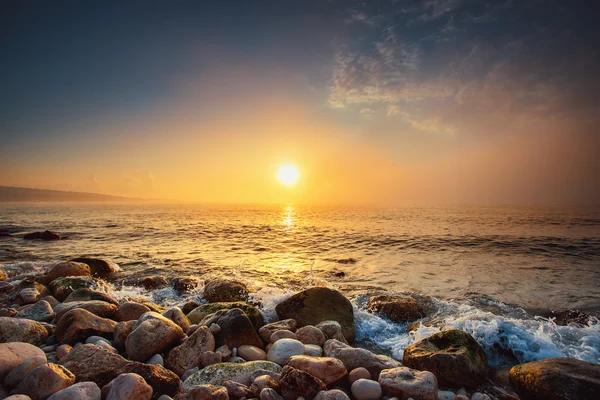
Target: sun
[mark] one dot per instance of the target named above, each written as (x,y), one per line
(288,174)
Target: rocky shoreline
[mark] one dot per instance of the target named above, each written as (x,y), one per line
(63,336)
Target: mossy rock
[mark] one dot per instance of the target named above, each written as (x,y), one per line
(61,288)
(317,304)
(217,374)
(87,294)
(254,315)
(453,356)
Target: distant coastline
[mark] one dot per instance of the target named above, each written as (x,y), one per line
(18,194)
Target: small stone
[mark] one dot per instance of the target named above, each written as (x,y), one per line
(225,352)
(405,382)
(44,381)
(283,349)
(269,394)
(239,372)
(266,331)
(210,357)
(480,396)
(203,392)
(358,373)
(326,369)
(99,268)
(282,334)
(176,315)
(310,335)
(47,349)
(79,391)
(20,372)
(129,386)
(251,353)
(215,329)
(313,350)
(262,382)
(353,357)
(461,397)
(334,394)
(189,306)
(156,359)
(237,390)
(29,296)
(366,389)
(189,373)
(332,330)
(131,311)
(40,311)
(94,339)
(446,395)
(63,350)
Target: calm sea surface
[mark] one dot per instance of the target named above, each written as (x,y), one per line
(507,256)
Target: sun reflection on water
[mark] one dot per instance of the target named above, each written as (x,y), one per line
(288,218)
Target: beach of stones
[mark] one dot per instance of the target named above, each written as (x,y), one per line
(63,336)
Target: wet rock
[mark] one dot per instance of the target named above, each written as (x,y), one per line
(99,268)
(358,373)
(217,374)
(313,350)
(190,306)
(326,369)
(311,306)
(8,312)
(128,386)
(44,381)
(176,315)
(556,378)
(310,335)
(198,314)
(269,394)
(46,235)
(122,330)
(152,334)
(79,391)
(86,294)
(295,383)
(282,334)
(61,288)
(142,300)
(251,353)
(366,389)
(283,349)
(40,312)
(92,363)
(204,392)
(262,382)
(29,296)
(222,290)
(22,330)
(334,394)
(332,330)
(147,282)
(188,354)
(354,357)
(266,331)
(64,269)
(78,324)
(17,374)
(397,308)
(6,287)
(185,284)
(404,382)
(63,350)
(130,311)
(236,328)
(96,307)
(52,301)
(453,356)
(237,390)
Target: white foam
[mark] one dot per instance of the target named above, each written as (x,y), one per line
(268,298)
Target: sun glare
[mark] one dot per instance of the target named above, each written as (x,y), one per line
(288,174)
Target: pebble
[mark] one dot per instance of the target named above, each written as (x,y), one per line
(269,394)
(94,339)
(446,395)
(20,372)
(282,334)
(251,353)
(313,350)
(358,373)
(156,359)
(48,349)
(333,394)
(63,350)
(480,396)
(129,386)
(283,349)
(366,389)
(310,335)
(214,329)
(79,391)
(188,373)
(225,352)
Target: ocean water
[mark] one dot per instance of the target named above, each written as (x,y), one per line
(488,270)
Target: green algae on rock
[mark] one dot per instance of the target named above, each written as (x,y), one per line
(217,374)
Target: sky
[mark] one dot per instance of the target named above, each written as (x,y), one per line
(385,102)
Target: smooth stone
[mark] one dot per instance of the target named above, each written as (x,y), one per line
(79,324)
(40,312)
(405,382)
(283,349)
(99,268)
(14,354)
(266,331)
(86,294)
(122,330)
(203,392)
(48,349)
(189,306)
(295,383)
(189,373)
(97,307)
(17,397)
(269,394)
(210,357)
(358,373)
(251,353)
(282,334)
(397,308)
(333,394)
(237,390)
(130,311)
(152,334)
(129,386)
(446,395)
(217,374)
(79,391)
(156,359)
(313,350)
(52,301)
(214,328)
(176,315)
(262,382)
(63,350)
(326,369)
(354,357)
(165,397)
(189,353)
(44,381)
(480,396)
(66,268)
(17,374)
(29,296)
(94,339)
(366,389)
(310,335)
(224,290)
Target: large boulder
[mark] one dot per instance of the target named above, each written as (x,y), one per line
(61,288)
(556,379)
(353,357)
(199,313)
(64,269)
(21,330)
(92,363)
(294,383)
(44,381)
(218,374)
(79,391)
(96,307)
(407,383)
(236,328)
(79,324)
(189,354)
(185,284)
(16,353)
(99,268)
(224,290)
(326,369)
(152,334)
(87,294)
(40,312)
(46,235)
(311,306)
(454,357)
(397,308)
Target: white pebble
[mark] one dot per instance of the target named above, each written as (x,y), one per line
(366,389)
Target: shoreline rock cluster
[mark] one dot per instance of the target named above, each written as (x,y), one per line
(63,336)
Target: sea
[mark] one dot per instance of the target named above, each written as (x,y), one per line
(494,272)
